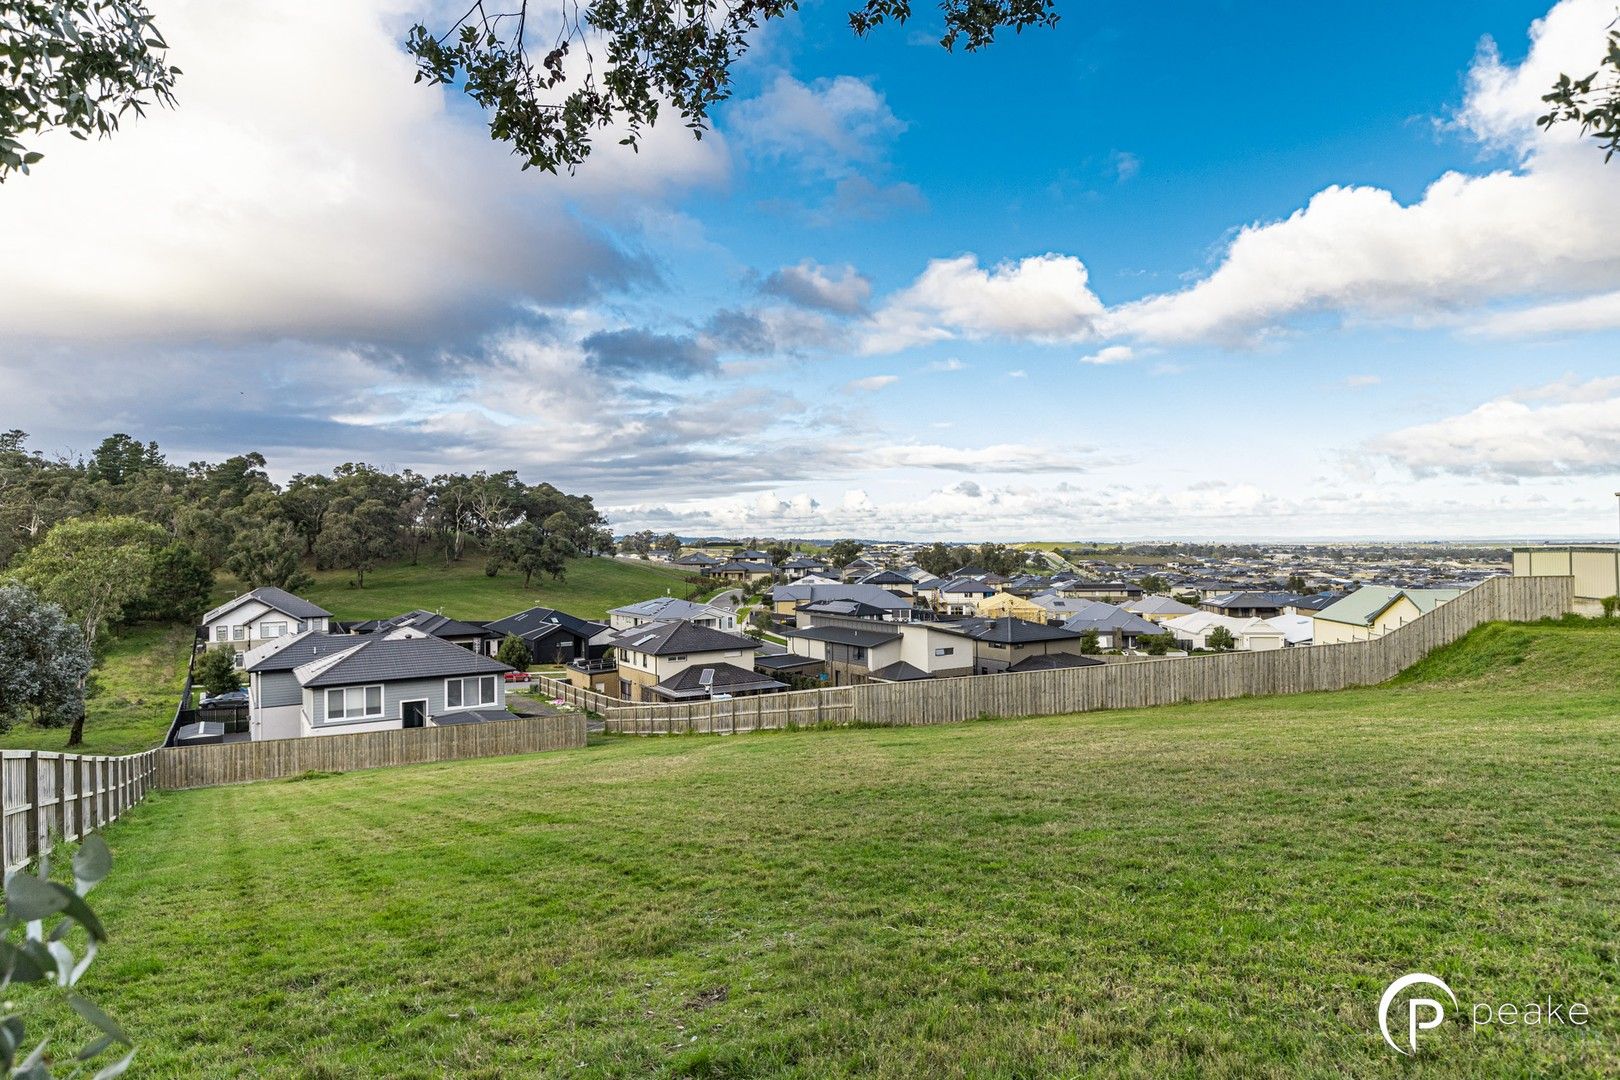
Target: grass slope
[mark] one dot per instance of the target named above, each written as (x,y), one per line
(589,589)
(1220,889)
(140,676)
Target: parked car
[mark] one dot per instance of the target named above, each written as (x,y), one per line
(228,700)
(518,676)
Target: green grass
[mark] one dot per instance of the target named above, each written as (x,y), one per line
(1206,890)
(139,678)
(589,589)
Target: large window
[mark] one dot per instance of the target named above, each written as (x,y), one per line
(469,693)
(354,702)
(222,633)
(272,629)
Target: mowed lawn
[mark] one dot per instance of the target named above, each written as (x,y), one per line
(1209,890)
(588,589)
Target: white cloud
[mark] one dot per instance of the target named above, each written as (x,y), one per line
(1002,458)
(1588,314)
(1549,228)
(1357,382)
(811,285)
(872,382)
(310,192)
(829,126)
(1041,298)
(951,364)
(1562,428)
(1112,354)
(1125,165)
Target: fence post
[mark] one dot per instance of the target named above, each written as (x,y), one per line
(32,845)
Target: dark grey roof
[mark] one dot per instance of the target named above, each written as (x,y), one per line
(966,585)
(852,608)
(1053,661)
(378,659)
(300,650)
(1254,600)
(697,558)
(785,662)
(885,578)
(845,635)
(875,595)
(673,638)
(702,680)
(537,622)
(206,731)
(899,671)
(473,716)
(1317,601)
(428,622)
(280,599)
(1009,631)
(737,567)
(1112,619)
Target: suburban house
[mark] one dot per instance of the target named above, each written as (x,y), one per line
(695,560)
(891,580)
(1595,568)
(1011,605)
(260,615)
(467,635)
(998,644)
(649,658)
(751,555)
(961,596)
(1158,608)
(1110,592)
(786,599)
(848,653)
(553,637)
(743,573)
(1374,610)
(937,649)
(1251,605)
(1059,609)
(1249,635)
(332,684)
(857,568)
(1116,628)
(671,609)
(801,565)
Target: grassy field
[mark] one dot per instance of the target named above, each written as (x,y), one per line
(1206,890)
(589,589)
(139,681)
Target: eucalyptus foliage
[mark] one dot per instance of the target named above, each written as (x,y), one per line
(41,916)
(551,79)
(1592,101)
(44,661)
(78,66)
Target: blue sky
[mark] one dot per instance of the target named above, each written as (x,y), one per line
(1168,271)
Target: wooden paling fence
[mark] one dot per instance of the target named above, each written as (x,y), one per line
(1110,686)
(49,796)
(241,762)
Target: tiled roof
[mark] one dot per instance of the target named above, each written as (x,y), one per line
(899,671)
(845,635)
(703,680)
(280,599)
(676,638)
(1053,661)
(300,650)
(380,659)
(539,621)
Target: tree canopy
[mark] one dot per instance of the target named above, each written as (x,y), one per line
(1591,101)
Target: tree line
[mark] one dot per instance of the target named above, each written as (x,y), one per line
(123,534)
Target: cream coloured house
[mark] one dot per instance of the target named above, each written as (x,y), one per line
(1373,611)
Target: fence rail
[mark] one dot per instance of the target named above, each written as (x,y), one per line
(1108,686)
(242,762)
(48,795)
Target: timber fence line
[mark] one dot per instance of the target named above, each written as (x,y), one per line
(48,796)
(241,762)
(1112,686)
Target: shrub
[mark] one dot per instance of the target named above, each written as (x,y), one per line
(1221,639)
(1610,604)
(514,652)
(216,672)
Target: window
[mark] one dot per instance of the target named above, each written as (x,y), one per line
(354,702)
(859,653)
(300,626)
(469,693)
(222,633)
(273,629)
(947,651)
(237,659)
(238,633)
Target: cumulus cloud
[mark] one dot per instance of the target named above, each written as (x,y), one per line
(1564,428)
(1041,298)
(635,351)
(1112,354)
(814,286)
(829,126)
(311,192)
(1547,228)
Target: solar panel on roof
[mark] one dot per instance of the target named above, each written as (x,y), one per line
(707,677)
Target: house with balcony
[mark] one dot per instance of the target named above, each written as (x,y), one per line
(261,615)
(648,661)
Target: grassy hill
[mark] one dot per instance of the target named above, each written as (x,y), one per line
(144,667)
(589,589)
(1220,889)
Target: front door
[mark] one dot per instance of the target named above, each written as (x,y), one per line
(413,713)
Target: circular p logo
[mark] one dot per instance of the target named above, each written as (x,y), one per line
(1422,1013)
